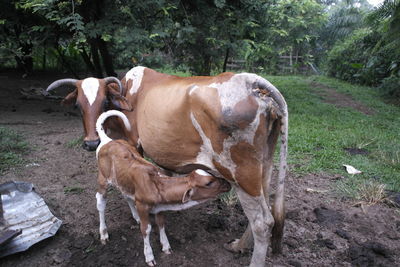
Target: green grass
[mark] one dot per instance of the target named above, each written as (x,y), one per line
(319,132)
(75,143)
(12,147)
(73,190)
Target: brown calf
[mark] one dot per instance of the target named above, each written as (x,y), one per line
(145,187)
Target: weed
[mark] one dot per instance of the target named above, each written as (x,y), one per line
(229,198)
(366,192)
(73,190)
(372,192)
(12,146)
(75,143)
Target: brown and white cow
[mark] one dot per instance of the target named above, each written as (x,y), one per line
(93,96)
(145,187)
(228,125)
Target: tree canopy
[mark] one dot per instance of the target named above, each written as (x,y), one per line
(97,37)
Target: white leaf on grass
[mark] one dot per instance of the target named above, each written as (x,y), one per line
(351,169)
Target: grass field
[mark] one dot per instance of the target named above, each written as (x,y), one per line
(320,133)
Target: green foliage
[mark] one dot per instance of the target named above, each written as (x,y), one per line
(371,55)
(12,146)
(362,58)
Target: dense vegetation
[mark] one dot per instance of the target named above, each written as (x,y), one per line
(347,39)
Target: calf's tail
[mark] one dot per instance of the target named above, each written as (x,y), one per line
(102,118)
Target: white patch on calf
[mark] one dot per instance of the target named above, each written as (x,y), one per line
(164,207)
(202,172)
(90,87)
(148,251)
(101,206)
(166,247)
(135,74)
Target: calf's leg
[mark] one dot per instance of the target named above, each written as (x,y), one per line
(145,228)
(101,206)
(134,212)
(166,247)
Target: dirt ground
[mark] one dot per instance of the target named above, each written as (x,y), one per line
(321,229)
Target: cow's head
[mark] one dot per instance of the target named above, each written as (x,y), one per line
(93,96)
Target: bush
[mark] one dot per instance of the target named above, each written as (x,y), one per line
(390,86)
(365,58)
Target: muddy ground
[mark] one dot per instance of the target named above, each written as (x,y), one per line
(321,229)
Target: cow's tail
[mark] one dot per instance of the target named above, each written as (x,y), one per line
(104,139)
(278,209)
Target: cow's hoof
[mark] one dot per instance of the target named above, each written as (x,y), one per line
(233,246)
(151,263)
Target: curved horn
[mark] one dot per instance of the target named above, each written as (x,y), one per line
(58,83)
(114,80)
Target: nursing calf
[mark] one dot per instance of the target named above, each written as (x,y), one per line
(146,189)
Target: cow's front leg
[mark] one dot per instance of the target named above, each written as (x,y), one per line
(145,228)
(166,247)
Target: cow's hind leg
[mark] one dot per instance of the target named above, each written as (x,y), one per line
(260,221)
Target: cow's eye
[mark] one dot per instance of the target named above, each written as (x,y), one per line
(209,183)
(106,105)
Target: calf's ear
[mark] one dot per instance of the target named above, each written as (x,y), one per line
(70,98)
(118,100)
(187,196)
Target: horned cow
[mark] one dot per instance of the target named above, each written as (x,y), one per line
(227,125)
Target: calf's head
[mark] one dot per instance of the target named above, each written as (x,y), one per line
(203,186)
(93,96)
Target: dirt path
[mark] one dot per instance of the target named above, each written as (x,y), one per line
(320,230)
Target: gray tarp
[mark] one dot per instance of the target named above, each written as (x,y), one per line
(24,209)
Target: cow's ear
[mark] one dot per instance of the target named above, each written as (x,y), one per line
(70,99)
(187,196)
(118,100)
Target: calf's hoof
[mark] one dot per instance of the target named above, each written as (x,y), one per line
(104,238)
(167,251)
(151,263)
(233,246)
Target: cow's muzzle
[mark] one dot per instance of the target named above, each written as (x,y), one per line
(91,145)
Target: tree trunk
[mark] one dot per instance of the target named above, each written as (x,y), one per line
(25,61)
(96,60)
(225,60)
(88,62)
(65,63)
(106,57)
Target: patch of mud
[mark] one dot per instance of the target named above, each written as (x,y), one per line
(320,229)
(356,151)
(331,96)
